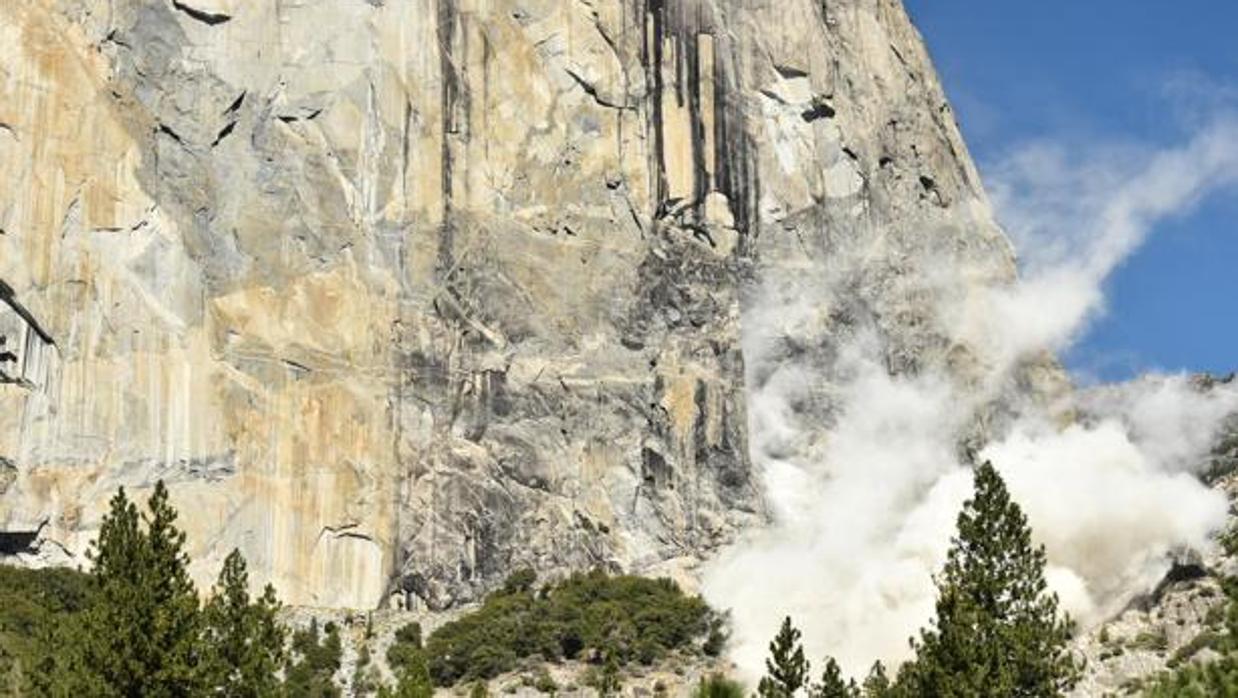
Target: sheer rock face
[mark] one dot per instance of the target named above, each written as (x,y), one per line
(398,295)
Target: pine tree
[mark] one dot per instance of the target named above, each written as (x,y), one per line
(243,640)
(175,621)
(142,631)
(998,630)
(413,678)
(139,634)
(877,685)
(832,683)
(786,669)
(408,661)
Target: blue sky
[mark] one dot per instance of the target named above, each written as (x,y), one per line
(1109,74)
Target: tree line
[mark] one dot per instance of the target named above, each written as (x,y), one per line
(135,625)
(141,630)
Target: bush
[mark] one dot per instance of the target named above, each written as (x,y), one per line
(718,686)
(409,634)
(407,659)
(317,658)
(587,616)
(1192,679)
(1151,641)
(543,681)
(1204,640)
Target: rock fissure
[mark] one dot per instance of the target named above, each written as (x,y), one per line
(208,18)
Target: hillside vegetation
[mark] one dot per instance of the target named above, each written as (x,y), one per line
(135,625)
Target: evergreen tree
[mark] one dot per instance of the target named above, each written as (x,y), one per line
(877,685)
(408,661)
(832,683)
(998,630)
(365,675)
(243,639)
(141,630)
(413,677)
(786,669)
(139,635)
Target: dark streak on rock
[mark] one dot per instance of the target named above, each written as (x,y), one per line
(453,100)
(404,148)
(223,133)
(167,131)
(701,183)
(113,37)
(789,72)
(819,110)
(298,369)
(898,54)
(772,95)
(735,154)
(651,58)
(684,23)
(9,297)
(207,18)
(701,233)
(592,91)
(292,118)
(236,104)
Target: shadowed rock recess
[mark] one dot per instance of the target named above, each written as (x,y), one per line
(400,295)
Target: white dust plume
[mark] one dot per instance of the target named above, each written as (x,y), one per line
(865,471)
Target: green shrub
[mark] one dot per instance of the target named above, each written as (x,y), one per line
(315,659)
(587,616)
(520,581)
(1205,639)
(604,678)
(407,658)
(1154,641)
(1204,679)
(718,686)
(409,635)
(365,676)
(542,681)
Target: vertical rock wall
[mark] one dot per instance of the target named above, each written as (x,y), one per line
(398,295)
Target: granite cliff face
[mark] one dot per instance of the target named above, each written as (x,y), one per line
(398,295)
